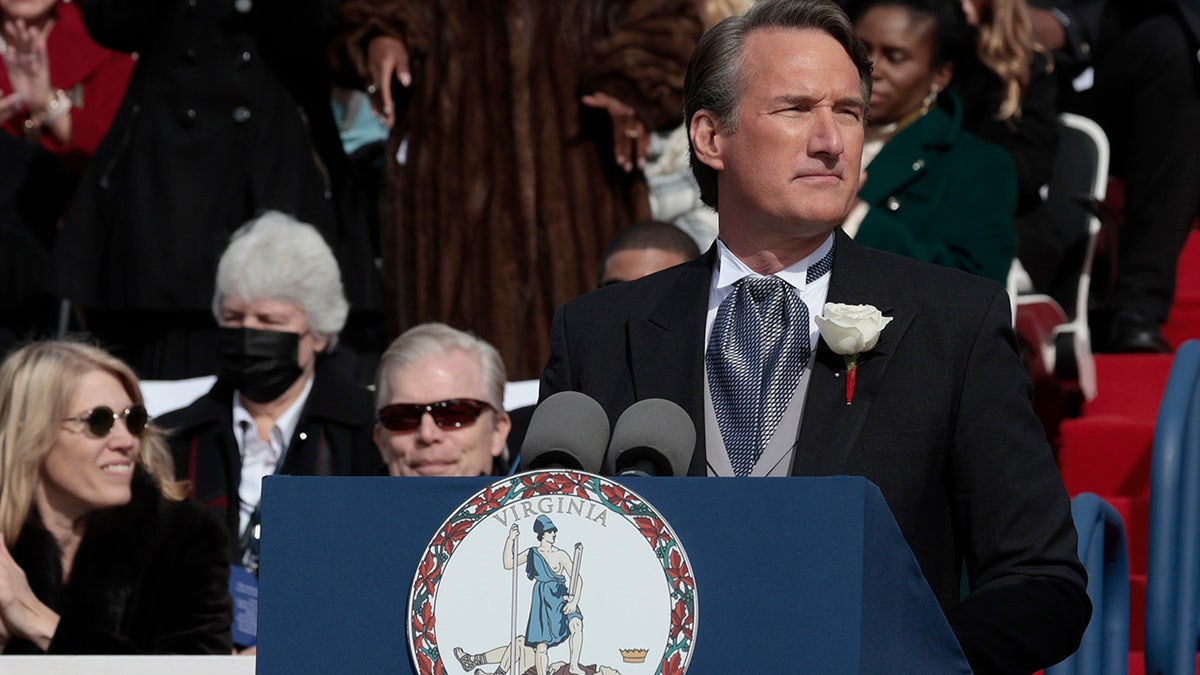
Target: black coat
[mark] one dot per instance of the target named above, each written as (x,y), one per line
(1033,143)
(227,115)
(333,437)
(941,422)
(150,577)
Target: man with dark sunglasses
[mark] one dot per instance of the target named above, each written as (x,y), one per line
(440,400)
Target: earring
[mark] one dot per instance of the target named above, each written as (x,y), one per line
(931,99)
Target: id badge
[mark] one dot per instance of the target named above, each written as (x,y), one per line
(243,588)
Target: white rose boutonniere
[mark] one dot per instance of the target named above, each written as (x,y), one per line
(851,330)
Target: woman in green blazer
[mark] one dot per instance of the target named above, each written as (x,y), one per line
(934,191)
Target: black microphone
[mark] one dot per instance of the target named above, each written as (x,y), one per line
(653,437)
(568,430)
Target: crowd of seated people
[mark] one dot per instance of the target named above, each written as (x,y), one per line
(65,90)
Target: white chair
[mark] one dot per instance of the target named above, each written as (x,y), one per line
(1077,187)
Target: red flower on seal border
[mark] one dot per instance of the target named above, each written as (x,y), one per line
(493,498)
(618,496)
(454,533)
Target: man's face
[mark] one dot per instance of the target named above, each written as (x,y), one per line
(430,450)
(635,263)
(792,165)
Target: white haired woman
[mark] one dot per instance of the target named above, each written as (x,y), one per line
(101,554)
(280,405)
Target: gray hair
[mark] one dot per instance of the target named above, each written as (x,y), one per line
(437,339)
(714,76)
(276,257)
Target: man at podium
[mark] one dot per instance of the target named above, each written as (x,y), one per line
(925,394)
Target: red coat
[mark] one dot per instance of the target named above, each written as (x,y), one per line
(93,77)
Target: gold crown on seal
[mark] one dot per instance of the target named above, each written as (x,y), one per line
(634,655)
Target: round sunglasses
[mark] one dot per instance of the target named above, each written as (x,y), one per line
(100,420)
(456,413)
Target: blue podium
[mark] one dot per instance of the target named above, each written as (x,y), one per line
(793,575)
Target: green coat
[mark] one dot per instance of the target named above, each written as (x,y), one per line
(941,194)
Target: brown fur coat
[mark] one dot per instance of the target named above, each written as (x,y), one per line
(510,191)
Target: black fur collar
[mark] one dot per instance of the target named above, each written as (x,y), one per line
(117,547)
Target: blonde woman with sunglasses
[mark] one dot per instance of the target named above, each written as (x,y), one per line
(99,553)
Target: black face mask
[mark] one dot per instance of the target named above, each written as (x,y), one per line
(261,364)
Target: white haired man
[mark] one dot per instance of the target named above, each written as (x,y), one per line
(280,404)
(440,395)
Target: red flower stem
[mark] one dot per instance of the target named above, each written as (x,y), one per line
(851,377)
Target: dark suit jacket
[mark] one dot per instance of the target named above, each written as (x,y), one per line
(333,437)
(941,422)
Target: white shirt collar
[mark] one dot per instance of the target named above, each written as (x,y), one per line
(730,269)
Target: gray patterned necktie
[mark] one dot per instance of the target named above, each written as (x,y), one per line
(758,348)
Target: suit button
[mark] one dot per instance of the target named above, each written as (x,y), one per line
(918,165)
(243,6)
(191,55)
(190,115)
(893,204)
(243,59)
(241,114)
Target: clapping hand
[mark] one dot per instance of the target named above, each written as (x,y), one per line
(21,613)
(28,67)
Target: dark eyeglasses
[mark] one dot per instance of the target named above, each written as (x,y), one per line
(100,420)
(456,413)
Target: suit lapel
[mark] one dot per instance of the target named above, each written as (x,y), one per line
(666,346)
(829,427)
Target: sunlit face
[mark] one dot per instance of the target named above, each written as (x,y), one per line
(901,49)
(28,10)
(792,164)
(430,450)
(276,315)
(82,473)
(635,263)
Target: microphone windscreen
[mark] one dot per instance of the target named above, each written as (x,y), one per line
(654,430)
(568,430)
